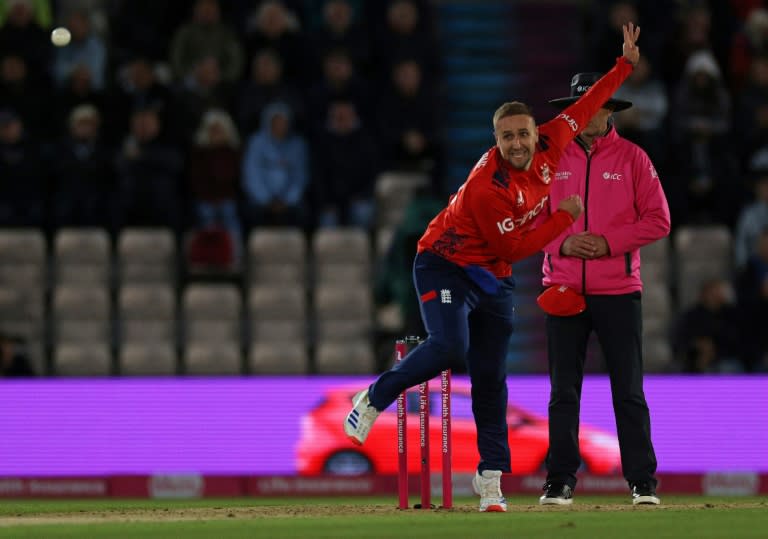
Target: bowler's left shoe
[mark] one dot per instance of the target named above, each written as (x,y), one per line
(488,487)
(359,421)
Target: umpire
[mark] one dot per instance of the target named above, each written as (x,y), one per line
(596,262)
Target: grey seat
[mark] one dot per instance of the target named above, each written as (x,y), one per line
(343,311)
(146,255)
(277,255)
(345,357)
(147,359)
(393,191)
(220,358)
(212,312)
(271,357)
(147,313)
(81,314)
(23,258)
(82,256)
(702,253)
(657,355)
(82,359)
(277,314)
(657,310)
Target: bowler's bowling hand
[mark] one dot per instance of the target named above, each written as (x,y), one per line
(629,47)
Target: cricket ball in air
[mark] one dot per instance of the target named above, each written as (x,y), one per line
(60,36)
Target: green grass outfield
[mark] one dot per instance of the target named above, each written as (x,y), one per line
(591,517)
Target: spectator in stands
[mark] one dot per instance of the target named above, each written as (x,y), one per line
(340,81)
(692,34)
(265,85)
(406,34)
(206,35)
(84,174)
(148,171)
(22,34)
(97,11)
(752,290)
(748,43)
(22,174)
(14,362)
(17,92)
(340,30)
(41,12)
(346,165)
(139,87)
(86,48)
(708,336)
(213,174)
(407,121)
(275,171)
(79,91)
(753,218)
(752,108)
(644,122)
(203,88)
(701,119)
(273,26)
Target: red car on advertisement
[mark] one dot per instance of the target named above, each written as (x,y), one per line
(323,447)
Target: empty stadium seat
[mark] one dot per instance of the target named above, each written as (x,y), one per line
(82,256)
(345,357)
(343,274)
(23,258)
(82,360)
(147,359)
(277,313)
(341,246)
(147,313)
(287,357)
(277,245)
(701,253)
(146,255)
(393,191)
(341,302)
(657,355)
(212,359)
(657,310)
(81,314)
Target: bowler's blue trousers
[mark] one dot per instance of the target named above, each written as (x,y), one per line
(465,324)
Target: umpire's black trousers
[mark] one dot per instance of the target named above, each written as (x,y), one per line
(617,322)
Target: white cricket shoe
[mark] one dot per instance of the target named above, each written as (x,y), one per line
(359,421)
(488,487)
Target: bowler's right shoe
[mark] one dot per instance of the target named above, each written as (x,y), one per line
(359,421)
(488,486)
(556,494)
(644,493)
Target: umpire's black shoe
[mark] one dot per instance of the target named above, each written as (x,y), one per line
(644,493)
(556,494)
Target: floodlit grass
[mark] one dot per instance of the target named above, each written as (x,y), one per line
(590,517)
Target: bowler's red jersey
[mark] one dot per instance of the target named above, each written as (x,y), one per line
(488,222)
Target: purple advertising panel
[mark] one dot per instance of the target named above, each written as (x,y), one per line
(290,425)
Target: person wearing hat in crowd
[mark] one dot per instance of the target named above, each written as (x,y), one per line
(592,270)
(463,272)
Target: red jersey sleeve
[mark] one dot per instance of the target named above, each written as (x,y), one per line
(510,237)
(572,121)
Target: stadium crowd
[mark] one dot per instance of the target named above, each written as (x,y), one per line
(227,115)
